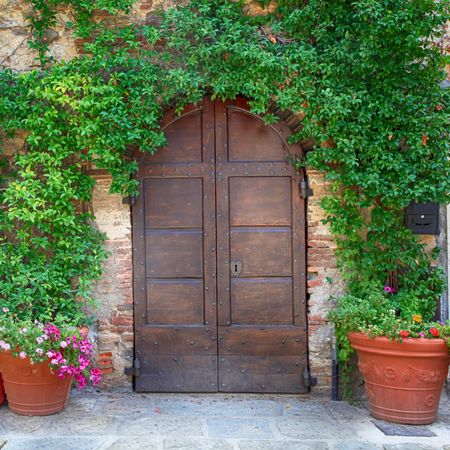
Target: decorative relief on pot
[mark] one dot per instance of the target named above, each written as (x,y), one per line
(370,393)
(430,400)
(424,376)
(430,376)
(390,373)
(369,370)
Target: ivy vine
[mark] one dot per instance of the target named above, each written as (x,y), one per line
(366,76)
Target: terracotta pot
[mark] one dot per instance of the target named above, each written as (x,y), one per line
(32,389)
(403,380)
(2,391)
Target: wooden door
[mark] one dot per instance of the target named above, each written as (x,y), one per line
(219,257)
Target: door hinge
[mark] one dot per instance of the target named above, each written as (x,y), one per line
(308,380)
(134,371)
(130,200)
(304,190)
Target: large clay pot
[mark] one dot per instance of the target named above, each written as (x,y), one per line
(32,389)
(403,380)
(2,391)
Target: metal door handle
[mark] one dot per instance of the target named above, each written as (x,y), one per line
(236,268)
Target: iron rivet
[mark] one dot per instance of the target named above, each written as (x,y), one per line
(227,322)
(192,342)
(142,289)
(283,341)
(229,349)
(297,340)
(227,289)
(156,342)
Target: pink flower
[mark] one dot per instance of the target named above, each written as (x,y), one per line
(85,346)
(22,355)
(39,340)
(53,331)
(81,380)
(5,310)
(63,344)
(39,351)
(84,361)
(54,361)
(96,376)
(389,289)
(4,345)
(24,330)
(421,334)
(50,353)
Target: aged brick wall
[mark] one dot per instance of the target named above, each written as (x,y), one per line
(114,331)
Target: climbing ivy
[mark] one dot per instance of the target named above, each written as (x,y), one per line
(365,76)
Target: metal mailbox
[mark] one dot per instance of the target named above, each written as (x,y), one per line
(422,218)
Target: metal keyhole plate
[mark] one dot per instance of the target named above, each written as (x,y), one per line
(236,268)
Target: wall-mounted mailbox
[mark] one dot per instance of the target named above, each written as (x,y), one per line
(422,218)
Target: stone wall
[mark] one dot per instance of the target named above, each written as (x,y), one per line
(114,331)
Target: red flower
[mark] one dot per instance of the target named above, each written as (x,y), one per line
(404,334)
(434,331)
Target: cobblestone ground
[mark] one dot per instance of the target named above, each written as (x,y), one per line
(118,421)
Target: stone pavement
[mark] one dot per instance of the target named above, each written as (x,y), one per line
(125,421)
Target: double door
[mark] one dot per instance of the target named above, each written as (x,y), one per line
(219,257)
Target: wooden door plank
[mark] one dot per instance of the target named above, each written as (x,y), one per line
(262,333)
(175,260)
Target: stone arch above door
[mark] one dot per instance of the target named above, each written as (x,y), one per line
(219,256)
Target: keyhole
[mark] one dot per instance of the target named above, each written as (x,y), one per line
(235,268)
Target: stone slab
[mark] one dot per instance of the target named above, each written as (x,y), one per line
(79,424)
(239,428)
(313,427)
(284,445)
(395,429)
(13,423)
(356,445)
(409,446)
(162,426)
(197,444)
(133,443)
(211,406)
(57,442)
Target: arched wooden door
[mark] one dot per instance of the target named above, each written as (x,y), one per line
(219,257)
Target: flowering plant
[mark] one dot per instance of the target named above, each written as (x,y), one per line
(61,345)
(382,311)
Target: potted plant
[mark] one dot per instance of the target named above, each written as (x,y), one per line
(39,361)
(402,356)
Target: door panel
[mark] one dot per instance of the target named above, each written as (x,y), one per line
(261,309)
(219,257)
(173,202)
(263,251)
(256,301)
(258,200)
(174,259)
